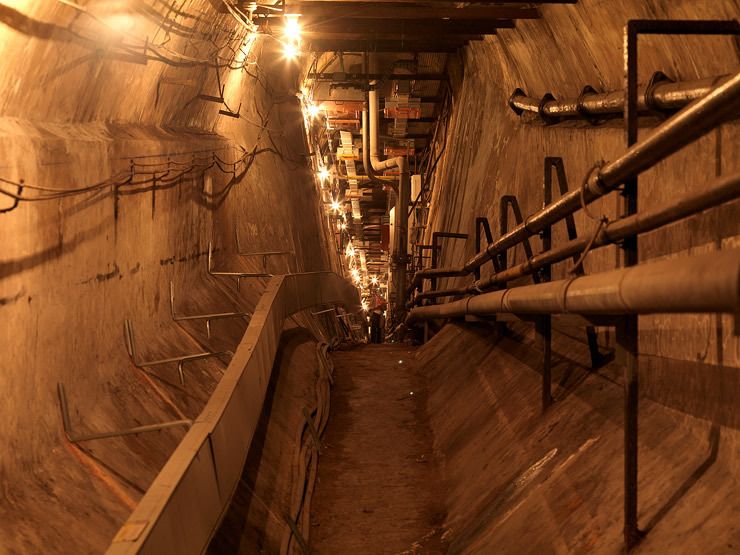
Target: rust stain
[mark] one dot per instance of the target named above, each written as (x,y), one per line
(102,475)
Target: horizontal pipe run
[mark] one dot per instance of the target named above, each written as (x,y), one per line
(697,284)
(660,96)
(725,190)
(681,129)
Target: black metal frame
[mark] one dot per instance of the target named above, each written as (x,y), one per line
(437,248)
(627,327)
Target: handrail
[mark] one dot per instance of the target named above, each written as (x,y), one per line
(691,123)
(695,284)
(185,504)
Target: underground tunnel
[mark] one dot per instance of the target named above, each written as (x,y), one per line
(370,277)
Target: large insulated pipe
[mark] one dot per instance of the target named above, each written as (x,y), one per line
(705,283)
(725,190)
(660,95)
(689,124)
(400,223)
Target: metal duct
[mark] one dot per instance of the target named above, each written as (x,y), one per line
(659,95)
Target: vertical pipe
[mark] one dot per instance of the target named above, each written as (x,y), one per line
(544,323)
(627,330)
(399,257)
(435,261)
(478,225)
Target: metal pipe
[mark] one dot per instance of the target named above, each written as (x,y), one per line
(400,247)
(681,129)
(660,94)
(704,283)
(726,190)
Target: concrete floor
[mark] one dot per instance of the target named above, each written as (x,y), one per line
(378,488)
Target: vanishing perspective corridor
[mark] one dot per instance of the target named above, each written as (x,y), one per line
(365,277)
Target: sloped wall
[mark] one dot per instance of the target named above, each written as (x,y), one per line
(79,102)
(520,481)
(688,362)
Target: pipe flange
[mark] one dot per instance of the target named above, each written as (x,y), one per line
(587,91)
(516,94)
(549,120)
(655,79)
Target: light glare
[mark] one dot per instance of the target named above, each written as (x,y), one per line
(292,29)
(290,51)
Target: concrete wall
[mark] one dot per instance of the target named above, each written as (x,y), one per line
(80,103)
(518,480)
(689,362)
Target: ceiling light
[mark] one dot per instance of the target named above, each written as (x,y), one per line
(292,29)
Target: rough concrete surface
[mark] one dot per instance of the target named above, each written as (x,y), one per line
(519,481)
(255,521)
(690,361)
(378,488)
(78,104)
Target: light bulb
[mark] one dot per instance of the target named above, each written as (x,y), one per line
(292,29)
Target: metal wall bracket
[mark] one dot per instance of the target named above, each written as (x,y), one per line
(506,201)
(627,330)
(229,112)
(207,317)
(264,254)
(482,224)
(437,249)
(130,339)
(556,163)
(238,275)
(74,438)
(16,199)
(226,111)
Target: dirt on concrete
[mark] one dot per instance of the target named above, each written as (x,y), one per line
(379,488)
